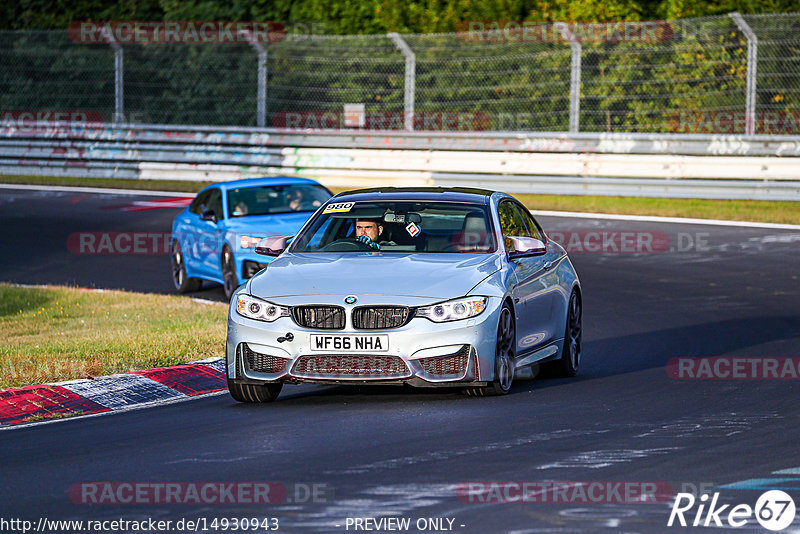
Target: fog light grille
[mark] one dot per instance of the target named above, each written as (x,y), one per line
(448,365)
(263,363)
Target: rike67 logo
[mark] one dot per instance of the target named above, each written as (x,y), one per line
(774,510)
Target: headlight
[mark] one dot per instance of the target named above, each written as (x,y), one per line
(258,309)
(247,241)
(453,310)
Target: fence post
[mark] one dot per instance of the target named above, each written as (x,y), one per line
(752,65)
(261,99)
(119,78)
(574,78)
(410,79)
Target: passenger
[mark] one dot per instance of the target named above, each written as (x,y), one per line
(298,201)
(295,200)
(240,209)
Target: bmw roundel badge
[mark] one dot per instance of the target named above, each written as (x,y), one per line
(350,299)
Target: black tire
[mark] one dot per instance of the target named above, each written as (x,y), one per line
(569,363)
(182,283)
(230,280)
(504,358)
(253,392)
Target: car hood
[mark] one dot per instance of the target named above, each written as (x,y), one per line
(268,225)
(440,276)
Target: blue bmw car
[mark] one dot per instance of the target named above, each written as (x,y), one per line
(214,238)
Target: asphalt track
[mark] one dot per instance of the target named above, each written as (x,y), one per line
(393,452)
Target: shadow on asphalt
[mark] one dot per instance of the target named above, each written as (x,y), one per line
(602,358)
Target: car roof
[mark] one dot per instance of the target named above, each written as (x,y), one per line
(268,180)
(453,194)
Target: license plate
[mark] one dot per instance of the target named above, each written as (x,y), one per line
(360,343)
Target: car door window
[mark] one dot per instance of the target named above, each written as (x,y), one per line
(201,200)
(535,231)
(215,203)
(512,223)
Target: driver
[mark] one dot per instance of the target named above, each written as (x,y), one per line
(369,231)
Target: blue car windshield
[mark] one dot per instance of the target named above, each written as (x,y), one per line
(269,199)
(396,226)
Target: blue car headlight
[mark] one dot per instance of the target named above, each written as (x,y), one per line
(248,241)
(258,309)
(453,310)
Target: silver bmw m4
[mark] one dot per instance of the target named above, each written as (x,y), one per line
(425,286)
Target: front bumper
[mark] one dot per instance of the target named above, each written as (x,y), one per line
(248,263)
(421,353)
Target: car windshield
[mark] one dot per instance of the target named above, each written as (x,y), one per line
(399,227)
(268,199)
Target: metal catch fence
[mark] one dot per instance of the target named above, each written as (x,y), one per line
(736,74)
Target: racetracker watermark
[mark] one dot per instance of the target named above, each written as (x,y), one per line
(734,368)
(119,525)
(554,491)
(176,32)
(515,31)
(52,120)
(109,243)
(210,493)
(126,243)
(445,121)
(730,122)
(602,241)
(32,117)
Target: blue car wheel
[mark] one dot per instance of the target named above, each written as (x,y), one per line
(183,283)
(231,281)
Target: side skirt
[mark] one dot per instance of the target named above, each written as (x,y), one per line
(540,355)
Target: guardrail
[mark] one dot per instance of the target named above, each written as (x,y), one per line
(668,165)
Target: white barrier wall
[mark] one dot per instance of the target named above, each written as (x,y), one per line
(758,167)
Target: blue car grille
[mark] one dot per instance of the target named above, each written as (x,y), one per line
(319,317)
(380,317)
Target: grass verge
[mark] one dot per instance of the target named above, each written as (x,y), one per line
(49,416)
(732,210)
(696,208)
(63,333)
(179,186)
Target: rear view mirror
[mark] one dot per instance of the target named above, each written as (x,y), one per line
(403,218)
(525,246)
(271,246)
(209,215)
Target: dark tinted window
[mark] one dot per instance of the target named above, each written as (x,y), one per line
(264,200)
(215,203)
(199,201)
(402,226)
(511,220)
(533,225)
(516,220)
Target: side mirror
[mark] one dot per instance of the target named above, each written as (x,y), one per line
(209,215)
(271,246)
(525,246)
